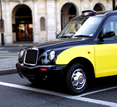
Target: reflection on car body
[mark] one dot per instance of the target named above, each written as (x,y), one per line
(85,49)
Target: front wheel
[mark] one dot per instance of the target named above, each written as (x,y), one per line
(76,79)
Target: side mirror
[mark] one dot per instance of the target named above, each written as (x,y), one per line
(107,34)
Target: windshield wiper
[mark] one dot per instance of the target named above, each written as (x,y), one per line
(82,36)
(66,37)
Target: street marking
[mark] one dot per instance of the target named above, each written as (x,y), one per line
(93,92)
(89,100)
(77,97)
(8,56)
(4,52)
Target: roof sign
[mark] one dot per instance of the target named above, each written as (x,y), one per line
(88,13)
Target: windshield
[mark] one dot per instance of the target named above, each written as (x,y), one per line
(82,26)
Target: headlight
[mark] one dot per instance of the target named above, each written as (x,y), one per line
(51,55)
(21,53)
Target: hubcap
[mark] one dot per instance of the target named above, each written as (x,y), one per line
(78,79)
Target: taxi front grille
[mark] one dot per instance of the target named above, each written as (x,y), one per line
(31,56)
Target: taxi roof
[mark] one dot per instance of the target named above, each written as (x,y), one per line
(97,13)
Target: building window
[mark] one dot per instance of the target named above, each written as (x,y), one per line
(42,25)
(68,12)
(99,7)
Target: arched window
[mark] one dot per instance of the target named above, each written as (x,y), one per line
(99,7)
(42,25)
(68,11)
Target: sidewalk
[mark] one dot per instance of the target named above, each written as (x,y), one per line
(8,65)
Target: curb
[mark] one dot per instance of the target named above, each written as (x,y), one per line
(6,72)
(18,45)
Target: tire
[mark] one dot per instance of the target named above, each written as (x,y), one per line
(76,79)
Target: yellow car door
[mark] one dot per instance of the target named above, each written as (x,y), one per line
(106,59)
(106,51)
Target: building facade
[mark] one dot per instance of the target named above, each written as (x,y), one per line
(40,20)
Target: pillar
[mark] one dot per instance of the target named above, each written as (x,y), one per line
(58,26)
(51,23)
(35,23)
(81,6)
(8,24)
(90,4)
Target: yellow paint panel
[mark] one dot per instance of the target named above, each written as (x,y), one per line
(106,60)
(102,56)
(80,51)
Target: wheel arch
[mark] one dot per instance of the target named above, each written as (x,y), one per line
(89,66)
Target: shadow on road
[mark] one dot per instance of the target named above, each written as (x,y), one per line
(57,85)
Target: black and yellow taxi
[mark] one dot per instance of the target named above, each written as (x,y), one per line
(85,49)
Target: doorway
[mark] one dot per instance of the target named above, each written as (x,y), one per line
(99,7)
(68,12)
(23,27)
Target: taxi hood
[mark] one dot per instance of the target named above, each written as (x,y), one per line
(61,43)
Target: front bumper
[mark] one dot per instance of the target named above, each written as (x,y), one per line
(36,72)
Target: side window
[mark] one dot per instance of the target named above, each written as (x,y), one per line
(110,26)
